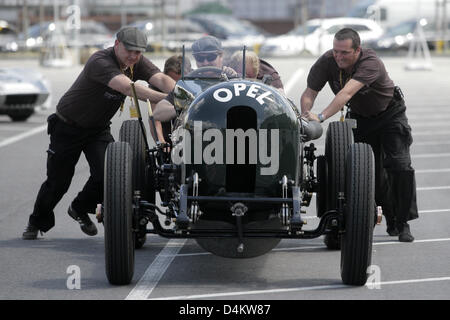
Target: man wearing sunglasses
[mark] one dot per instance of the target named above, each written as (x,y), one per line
(207,52)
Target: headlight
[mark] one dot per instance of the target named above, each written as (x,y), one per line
(31,42)
(183,98)
(400,40)
(12,46)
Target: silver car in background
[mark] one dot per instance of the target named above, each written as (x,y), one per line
(22,91)
(316,37)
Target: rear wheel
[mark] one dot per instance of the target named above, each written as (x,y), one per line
(118,210)
(356,251)
(339,138)
(130,132)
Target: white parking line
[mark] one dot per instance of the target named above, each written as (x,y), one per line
(433,188)
(156,270)
(434,211)
(293,80)
(22,136)
(298,289)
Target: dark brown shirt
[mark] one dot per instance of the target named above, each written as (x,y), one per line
(90,103)
(378,88)
(266,69)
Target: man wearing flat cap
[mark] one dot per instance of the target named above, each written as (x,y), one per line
(81,124)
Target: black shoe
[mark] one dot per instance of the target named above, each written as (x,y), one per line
(405,234)
(392,231)
(86,225)
(30,232)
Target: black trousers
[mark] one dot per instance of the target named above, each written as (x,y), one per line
(66,145)
(389,135)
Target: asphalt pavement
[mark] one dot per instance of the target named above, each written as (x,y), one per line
(66,264)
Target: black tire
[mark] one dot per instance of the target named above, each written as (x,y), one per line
(118,210)
(131,132)
(20,115)
(356,244)
(338,139)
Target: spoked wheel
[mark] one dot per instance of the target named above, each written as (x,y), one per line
(356,251)
(130,132)
(118,222)
(338,140)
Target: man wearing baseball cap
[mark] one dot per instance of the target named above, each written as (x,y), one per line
(207,52)
(81,124)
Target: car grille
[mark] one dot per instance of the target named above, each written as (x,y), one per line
(21,99)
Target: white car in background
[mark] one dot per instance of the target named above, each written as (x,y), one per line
(22,91)
(317,36)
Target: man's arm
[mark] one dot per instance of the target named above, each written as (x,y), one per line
(307,100)
(121,83)
(339,101)
(162,82)
(164,111)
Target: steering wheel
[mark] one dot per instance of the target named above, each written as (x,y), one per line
(207,72)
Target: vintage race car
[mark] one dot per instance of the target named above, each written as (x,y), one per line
(240,172)
(21,92)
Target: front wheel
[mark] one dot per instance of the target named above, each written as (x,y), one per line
(118,210)
(356,242)
(338,140)
(130,132)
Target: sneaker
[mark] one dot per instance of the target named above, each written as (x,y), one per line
(86,225)
(405,235)
(30,232)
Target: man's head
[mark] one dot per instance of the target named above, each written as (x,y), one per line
(251,63)
(207,51)
(172,66)
(129,45)
(346,48)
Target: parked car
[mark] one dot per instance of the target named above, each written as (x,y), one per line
(21,92)
(172,36)
(233,32)
(8,35)
(319,36)
(291,43)
(389,13)
(400,36)
(91,34)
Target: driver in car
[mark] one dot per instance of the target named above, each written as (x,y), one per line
(207,52)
